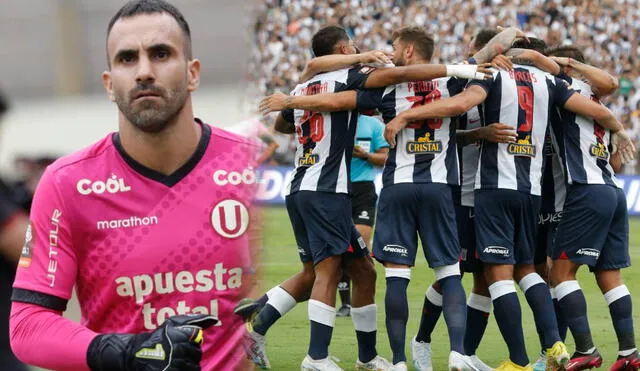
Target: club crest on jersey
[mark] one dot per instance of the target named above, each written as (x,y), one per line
(25,255)
(424,146)
(230,218)
(599,151)
(522,147)
(308,159)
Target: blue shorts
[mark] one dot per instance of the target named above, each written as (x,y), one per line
(465,220)
(322,225)
(546,234)
(407,209)
(506,222)
(594,229)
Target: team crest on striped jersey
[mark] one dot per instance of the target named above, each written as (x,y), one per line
(424,145)
(522,147)
(599,151)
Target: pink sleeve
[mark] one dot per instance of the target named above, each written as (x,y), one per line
(43,338)
(48,262)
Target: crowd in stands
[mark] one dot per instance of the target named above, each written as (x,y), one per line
(608,31)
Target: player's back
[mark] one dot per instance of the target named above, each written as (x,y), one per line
(522,98)
(325,140)
(143,246)
(425,150)
(584,144)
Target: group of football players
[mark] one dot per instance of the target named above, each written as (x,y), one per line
(502,165)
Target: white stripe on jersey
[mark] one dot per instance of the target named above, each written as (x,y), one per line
(470,155)
(587,139)
(405,162)
(540,115)
(508,115)
(343,175)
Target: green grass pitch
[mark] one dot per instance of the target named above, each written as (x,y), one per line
(288,339)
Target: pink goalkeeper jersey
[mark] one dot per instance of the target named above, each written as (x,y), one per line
(141,246)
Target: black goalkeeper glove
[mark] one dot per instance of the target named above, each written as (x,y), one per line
(175,345)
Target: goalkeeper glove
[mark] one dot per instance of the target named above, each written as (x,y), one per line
(175,345)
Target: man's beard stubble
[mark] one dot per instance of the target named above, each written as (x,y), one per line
(152,116)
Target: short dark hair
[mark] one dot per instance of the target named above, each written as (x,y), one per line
(326,39)
(534,44)
(569,51)
(418,36)
(484,36)
(136,7)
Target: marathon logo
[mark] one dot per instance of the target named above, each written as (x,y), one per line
(424,146)
(588,252)
(599,151)
(496,250)
(396,249)
(522,148)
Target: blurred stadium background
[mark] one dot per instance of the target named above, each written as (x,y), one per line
(53,53)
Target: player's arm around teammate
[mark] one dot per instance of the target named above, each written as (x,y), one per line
(347,100)
(335,62)
(602,83)
(475,95)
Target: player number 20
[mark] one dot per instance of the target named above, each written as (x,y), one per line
(315,120)
(418,101)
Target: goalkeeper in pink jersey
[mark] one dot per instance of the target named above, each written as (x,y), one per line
(150,224)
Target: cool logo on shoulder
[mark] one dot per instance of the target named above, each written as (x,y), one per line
(111,185)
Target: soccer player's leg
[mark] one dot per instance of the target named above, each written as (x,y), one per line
(582,232)
(327,217)
(430,314)
(279,300)
(363,212)
(615,256)
(439,237)
(479,307)
(394,245)
(547,227)
(479,302)
(495,231)
(364,312)
(534,287)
